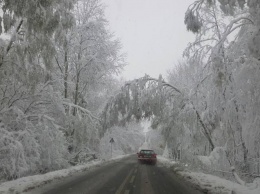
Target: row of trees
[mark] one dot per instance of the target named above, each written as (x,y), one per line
(57,66)
(211,101)
(221,77)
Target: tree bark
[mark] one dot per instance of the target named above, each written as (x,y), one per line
(76,93)
(239,128)
(66,73)
(206,132)
(77,84)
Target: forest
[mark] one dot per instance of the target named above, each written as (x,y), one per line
(207,109)
(57,66)
(60,97)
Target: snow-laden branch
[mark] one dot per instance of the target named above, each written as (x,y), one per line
(147,79)
(230,29)
(86,111)
(164,84)
(204,40)
(12,40)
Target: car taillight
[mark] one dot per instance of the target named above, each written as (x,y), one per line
(154,155)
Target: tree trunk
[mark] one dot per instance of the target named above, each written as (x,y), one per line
(206,132)
(76,93)
(258,164)
(245,151)
(78,70)
(66,74)
(239,128)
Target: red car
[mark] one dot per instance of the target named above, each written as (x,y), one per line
(147,156)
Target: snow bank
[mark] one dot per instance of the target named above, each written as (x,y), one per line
(212,184)
(27,183)
(217,159)
(165,161)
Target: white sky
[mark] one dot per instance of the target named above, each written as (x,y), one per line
(152,33)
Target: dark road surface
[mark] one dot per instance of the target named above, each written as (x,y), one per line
(126,176)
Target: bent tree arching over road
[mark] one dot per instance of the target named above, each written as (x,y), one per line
(150,98)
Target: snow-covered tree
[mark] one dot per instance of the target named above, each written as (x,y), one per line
(222,84)
(46,89)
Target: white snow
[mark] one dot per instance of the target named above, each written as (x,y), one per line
(217,159)
(206,182)
(166,151)
(27,183)
(213,184)
(145,145)
(165,161)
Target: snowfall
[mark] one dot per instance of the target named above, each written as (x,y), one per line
(205,182)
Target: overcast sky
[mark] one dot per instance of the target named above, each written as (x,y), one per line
(152,33)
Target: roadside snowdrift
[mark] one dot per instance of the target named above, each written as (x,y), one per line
(209,183)
(28,183)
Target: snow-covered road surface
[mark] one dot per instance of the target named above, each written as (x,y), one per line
(36,181)
(125,176)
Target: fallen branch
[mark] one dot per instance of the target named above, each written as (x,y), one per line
(238,179)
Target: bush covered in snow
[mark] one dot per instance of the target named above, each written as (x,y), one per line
(29,147)
(216,160)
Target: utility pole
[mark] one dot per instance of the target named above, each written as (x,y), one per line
(111,142)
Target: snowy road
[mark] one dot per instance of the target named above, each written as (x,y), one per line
(126,176)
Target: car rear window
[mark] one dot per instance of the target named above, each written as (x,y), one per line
(146,152)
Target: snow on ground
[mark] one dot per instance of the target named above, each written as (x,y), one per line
(27,183)
(165,161)
(205,182)
(209,183)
